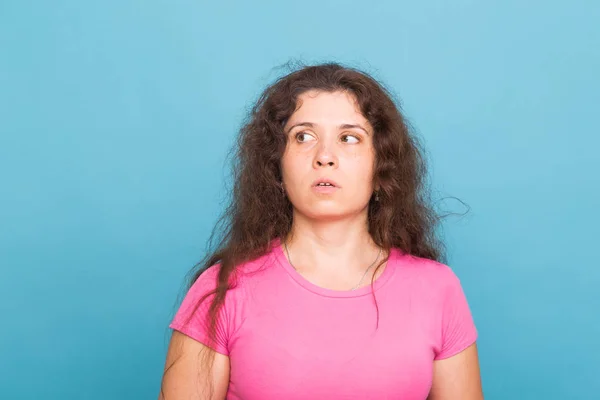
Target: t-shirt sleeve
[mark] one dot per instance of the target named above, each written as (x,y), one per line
(458,327)
(191,318)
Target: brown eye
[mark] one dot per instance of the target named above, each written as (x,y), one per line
(303,137)
(350,139)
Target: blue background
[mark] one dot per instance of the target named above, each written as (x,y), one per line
(115,121)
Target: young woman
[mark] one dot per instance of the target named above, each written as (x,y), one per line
(329,281)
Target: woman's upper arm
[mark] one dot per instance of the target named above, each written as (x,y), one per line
(457,377)
(185,376)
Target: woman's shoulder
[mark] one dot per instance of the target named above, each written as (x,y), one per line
(241,275)
(435,274)
(436,284)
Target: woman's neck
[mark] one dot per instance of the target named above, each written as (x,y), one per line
(341,247)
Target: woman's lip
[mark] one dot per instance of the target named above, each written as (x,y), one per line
(325,189)
(325,180)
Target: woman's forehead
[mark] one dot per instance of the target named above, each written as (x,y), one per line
(327,108)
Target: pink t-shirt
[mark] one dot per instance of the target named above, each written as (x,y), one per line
(287,338)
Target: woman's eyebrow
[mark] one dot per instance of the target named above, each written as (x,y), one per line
(353,126)
(343,126)
(307,124)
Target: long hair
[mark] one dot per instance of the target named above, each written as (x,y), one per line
(258,212)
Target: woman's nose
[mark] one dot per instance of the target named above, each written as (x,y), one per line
(325,157)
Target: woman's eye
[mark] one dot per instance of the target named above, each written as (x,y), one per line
(350,139)
(303,137)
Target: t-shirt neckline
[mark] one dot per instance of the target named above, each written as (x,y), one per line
(385,276)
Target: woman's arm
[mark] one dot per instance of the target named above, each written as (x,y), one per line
(185,378)
(457,377)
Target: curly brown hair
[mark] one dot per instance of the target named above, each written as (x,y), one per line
(258,212)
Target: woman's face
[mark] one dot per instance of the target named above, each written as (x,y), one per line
(328,140)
